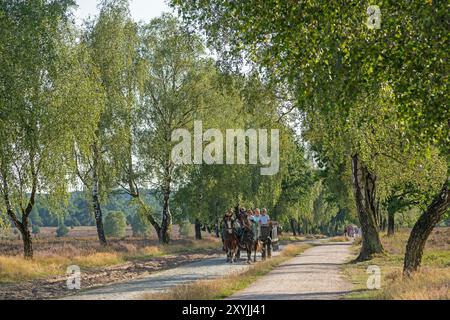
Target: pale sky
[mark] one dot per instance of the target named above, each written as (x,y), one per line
(140,9)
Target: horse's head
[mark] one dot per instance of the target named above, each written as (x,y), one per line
(229,223)
(244,218)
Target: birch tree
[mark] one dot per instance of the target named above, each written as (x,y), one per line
(111,41)
(178,82)
(44,97)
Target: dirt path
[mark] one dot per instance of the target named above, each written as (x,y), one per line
(160,281)
(315,274)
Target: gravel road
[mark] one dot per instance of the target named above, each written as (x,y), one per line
(314,275)
(160,281)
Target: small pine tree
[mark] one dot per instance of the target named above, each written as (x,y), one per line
(62,230)
(35,229)
(139,226)
(115,224)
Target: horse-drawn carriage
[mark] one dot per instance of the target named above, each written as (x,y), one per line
(249,237)
(268,235)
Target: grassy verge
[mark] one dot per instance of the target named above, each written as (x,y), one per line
(431,282)
(217,289)
(339,239)
(290,238)
(285,237)
(15,268)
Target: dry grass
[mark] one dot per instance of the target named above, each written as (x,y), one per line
(99,259)
(340,239)
(54,261)
(224,287)
(290,238)
(431,282)
(428,284)
(13,269)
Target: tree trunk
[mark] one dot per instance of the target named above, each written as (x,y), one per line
(98,218)
(166,222)
(391,223)
(148,213)
(26,237)
(164,234)
(217,229)
(25,234)
(364,186)
(22,226)
(96,201)
(294,232)
(198,230)
(423,228)
(27,243)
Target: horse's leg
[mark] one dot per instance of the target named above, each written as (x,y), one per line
(233,255)
(249,253)
(256,249)
(263,252)
(236,250)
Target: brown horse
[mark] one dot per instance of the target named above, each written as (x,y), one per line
(230,238)
(248,241)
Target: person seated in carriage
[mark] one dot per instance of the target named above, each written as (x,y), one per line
(253,218)
(264,219)
(256,216)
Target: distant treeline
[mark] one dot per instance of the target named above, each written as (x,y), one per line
(79,210)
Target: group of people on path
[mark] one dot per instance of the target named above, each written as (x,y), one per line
(257,216)
(352,231)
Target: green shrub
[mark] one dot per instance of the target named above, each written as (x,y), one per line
(115,224)
(62,230)
(138,224)
(35,229)
(186,229)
